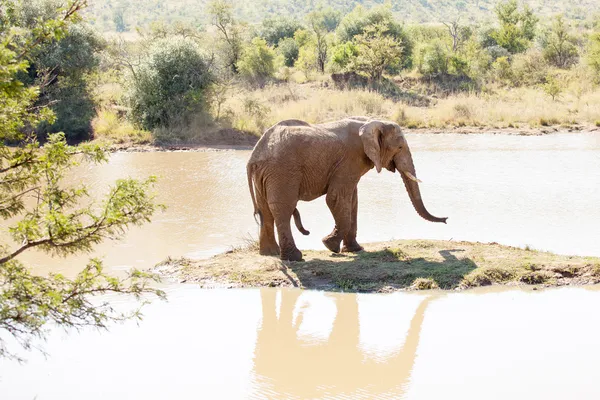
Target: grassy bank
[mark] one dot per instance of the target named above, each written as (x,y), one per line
(524,111)
(390,266)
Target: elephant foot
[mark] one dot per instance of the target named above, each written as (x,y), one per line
(332,243)
(272,250)
(293,255)
(352,247)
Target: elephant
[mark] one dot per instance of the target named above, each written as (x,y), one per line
(295,160)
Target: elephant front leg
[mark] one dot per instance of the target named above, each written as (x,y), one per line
(339,201)
(350,243)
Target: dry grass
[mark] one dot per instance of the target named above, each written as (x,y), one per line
(398,265)
(108,126)
(503,108)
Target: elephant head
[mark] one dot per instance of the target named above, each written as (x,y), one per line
(386,147)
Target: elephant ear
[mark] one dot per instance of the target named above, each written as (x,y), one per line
(370,133)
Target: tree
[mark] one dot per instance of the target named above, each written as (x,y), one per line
(593,57)
(376,52)
(274,29)
(60,68)
(289,49)
(458,33)
(172,85)
(359,19)
(46,214)
(317,21)
(559,45)
(221,13)
(517,28)
(433,59)
(552,87)
(257,63)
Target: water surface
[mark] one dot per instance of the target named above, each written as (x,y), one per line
(293,344)
(540,191)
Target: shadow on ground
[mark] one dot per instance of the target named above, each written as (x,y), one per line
(377,270)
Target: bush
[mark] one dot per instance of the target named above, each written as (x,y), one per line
(501,69)
(458,66)
(594,52)
(559,45)
(552,87)
(171,85)
(275,29)
(289,49)
(529,68)
(433,59)
(257,63)
(64,65)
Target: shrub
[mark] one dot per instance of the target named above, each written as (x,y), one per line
(257,63)
(171,85)
(458,66)
(594,52)
(289,49)
(552,87)
(529,68)
(64,64)
(559,45)
(433,59)
(275,29)
(501,69)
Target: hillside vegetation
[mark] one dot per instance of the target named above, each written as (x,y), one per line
(107,15)
(225,78)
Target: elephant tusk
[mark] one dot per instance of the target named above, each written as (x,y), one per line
(412,177)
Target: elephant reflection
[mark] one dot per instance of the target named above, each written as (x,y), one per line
(286,366)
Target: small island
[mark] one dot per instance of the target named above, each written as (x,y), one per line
(388,267)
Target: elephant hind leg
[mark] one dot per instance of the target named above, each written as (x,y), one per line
(267,244)
(282,213)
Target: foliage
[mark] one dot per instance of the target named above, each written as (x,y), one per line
(289,49)
(274,29)
(307,59)
(45,214)
(376,52)
(433,59)
(517,27)
(559,46)
(356,22)
(552,87)
(221,13)
(529,68)
(257,63)
(171,85)
(60,67)
(343,54)
(319,24)
(593,56)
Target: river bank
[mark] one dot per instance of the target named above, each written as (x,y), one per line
(238,140)
(388,267)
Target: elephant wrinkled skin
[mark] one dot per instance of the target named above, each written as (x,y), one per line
(295,160)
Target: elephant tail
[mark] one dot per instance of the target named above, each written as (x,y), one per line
(257,215)
(298,222)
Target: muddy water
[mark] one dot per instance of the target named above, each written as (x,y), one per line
(291,344)
(537,191)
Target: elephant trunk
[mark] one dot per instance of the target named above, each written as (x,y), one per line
(405,166)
